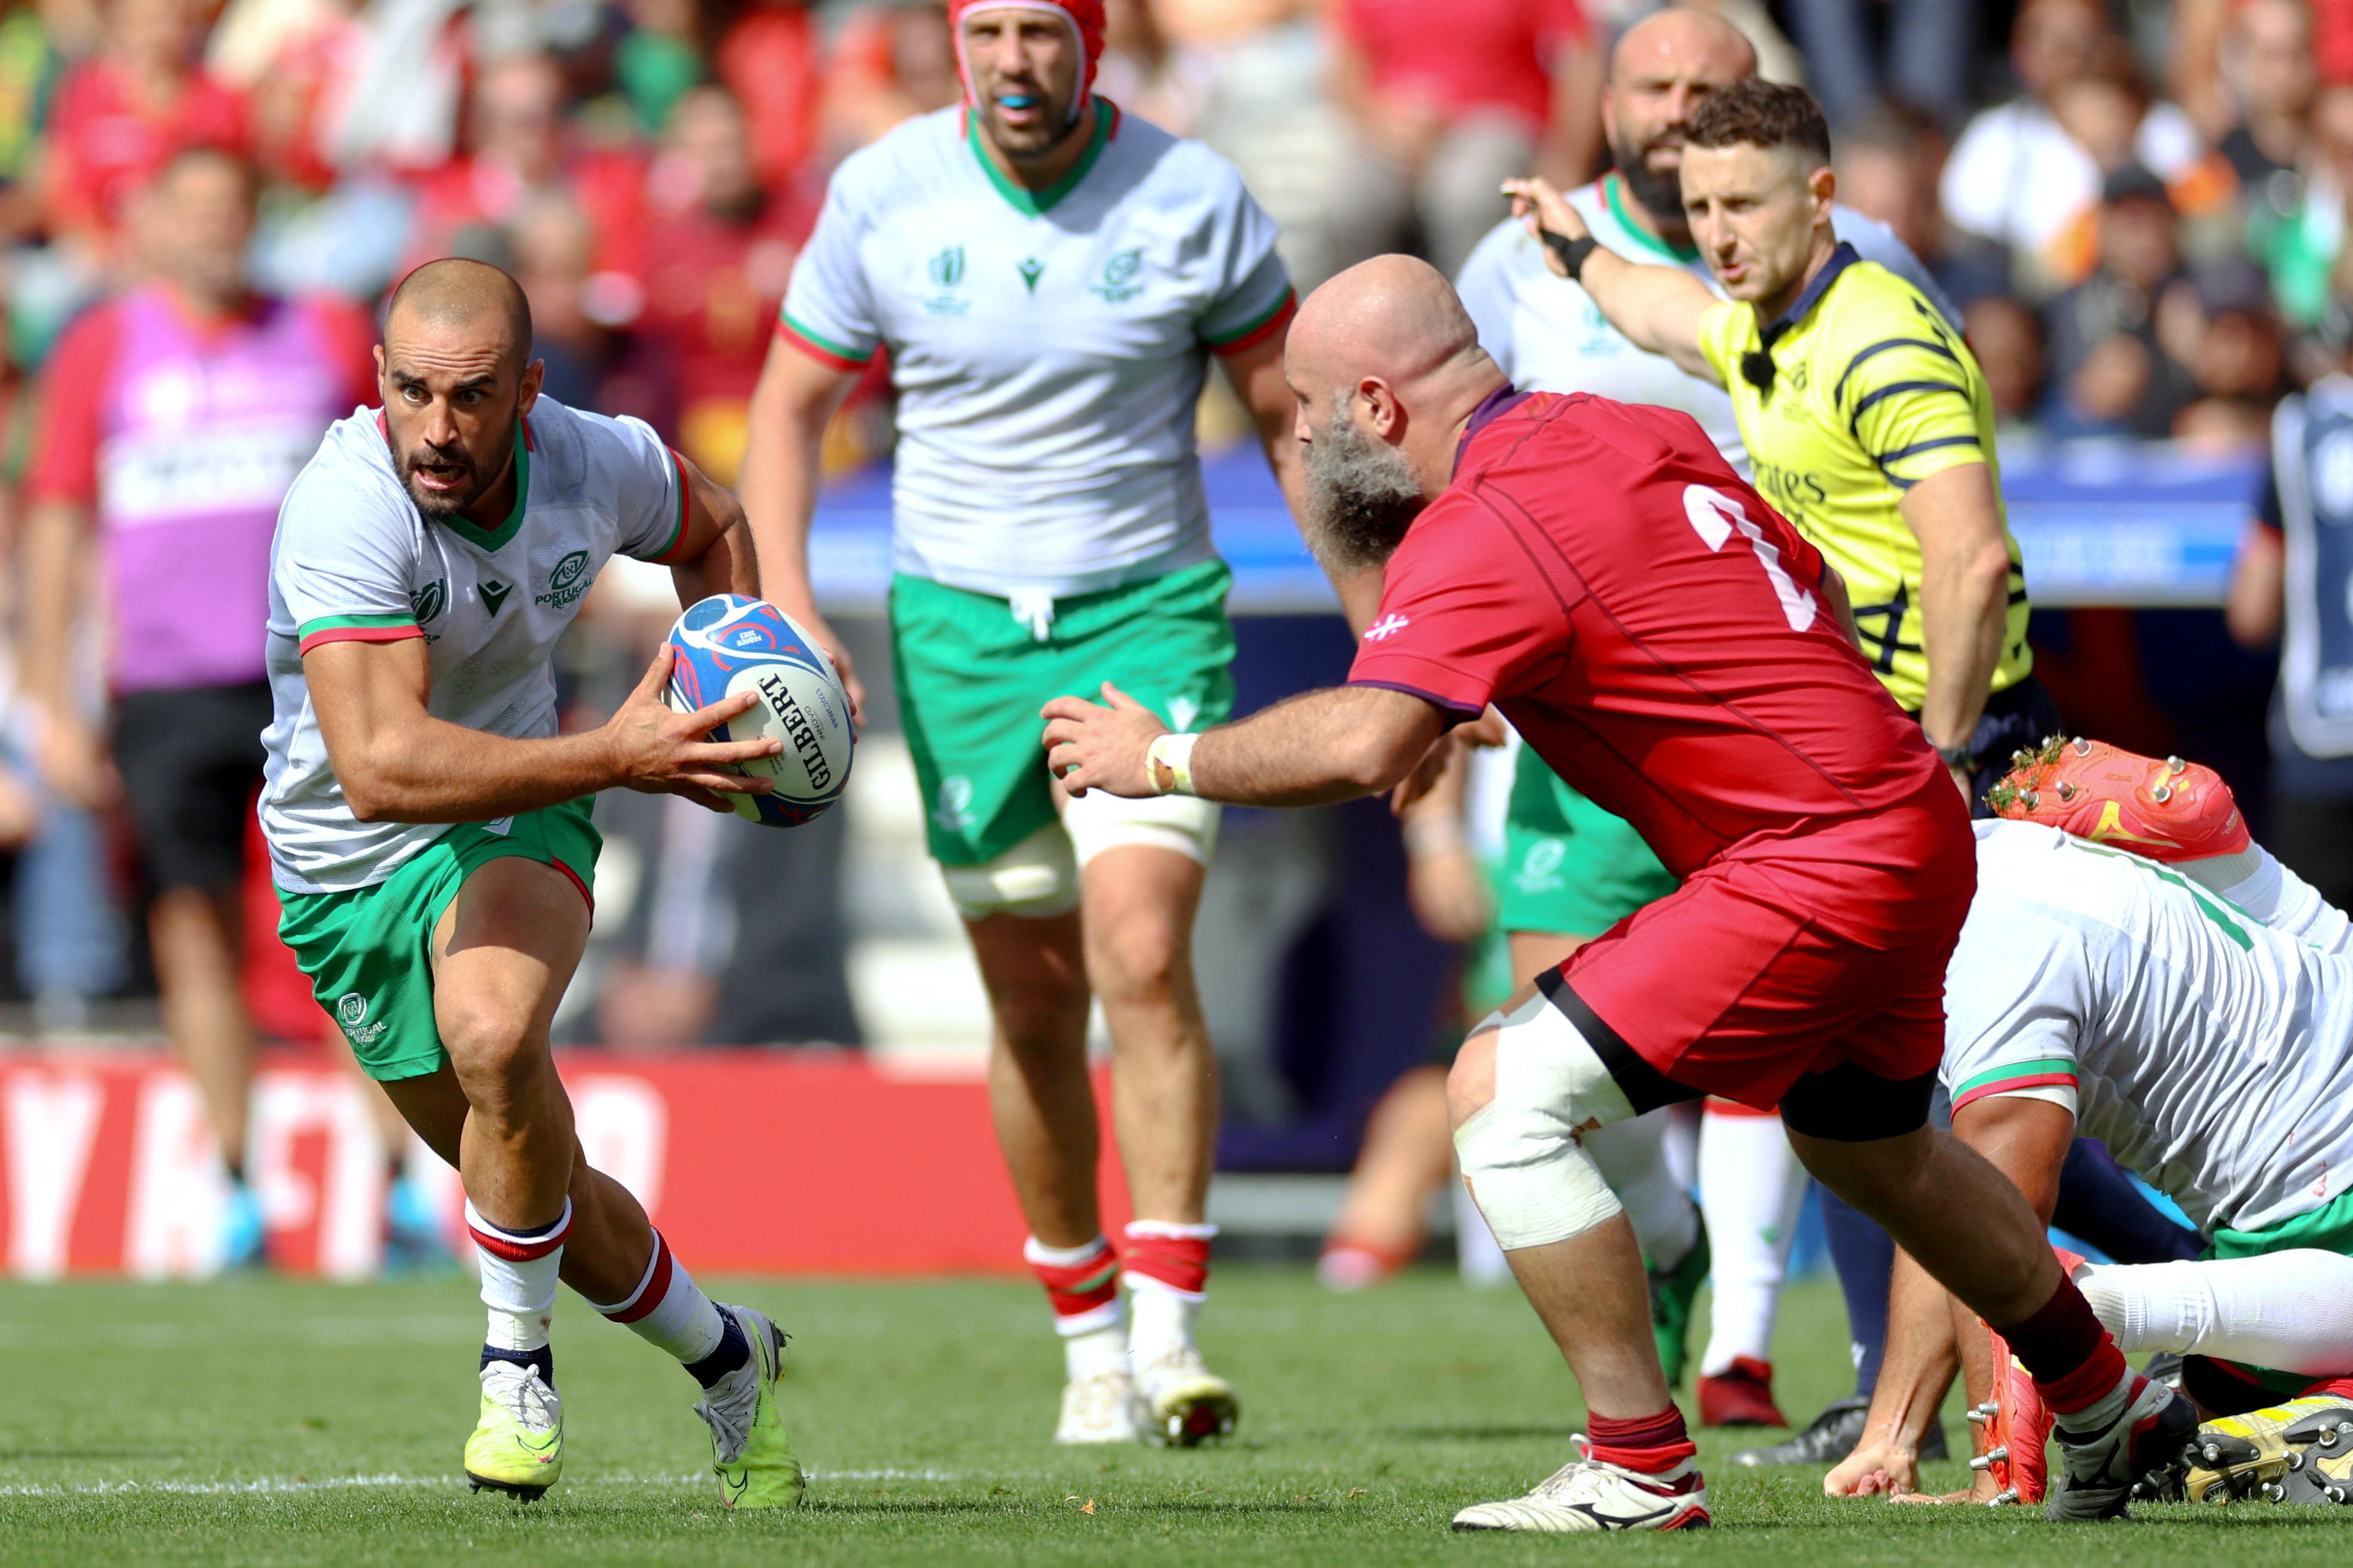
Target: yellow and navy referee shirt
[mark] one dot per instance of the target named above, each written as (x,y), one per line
(1870,391)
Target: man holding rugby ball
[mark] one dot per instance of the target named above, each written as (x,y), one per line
(429,831)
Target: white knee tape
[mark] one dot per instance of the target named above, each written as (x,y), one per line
(1097,822)
(1037,877)
(1521,1152)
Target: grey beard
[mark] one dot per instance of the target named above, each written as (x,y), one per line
(1362,496)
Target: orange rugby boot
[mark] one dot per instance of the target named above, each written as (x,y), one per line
(2164,809)
(2016,1430)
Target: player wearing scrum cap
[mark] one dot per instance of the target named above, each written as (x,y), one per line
(1052,277)
(429,831)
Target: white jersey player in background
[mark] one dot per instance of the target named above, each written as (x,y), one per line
(1548,336)
(429,831)
(1051,278)
(2195,1016)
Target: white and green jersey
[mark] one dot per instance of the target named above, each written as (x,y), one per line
(354,561)
(1048,347)
(1548,335)
(2210,1052)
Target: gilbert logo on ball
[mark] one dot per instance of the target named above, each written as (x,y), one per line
(728,644)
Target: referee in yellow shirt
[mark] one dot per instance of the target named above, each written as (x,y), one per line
(1865,415)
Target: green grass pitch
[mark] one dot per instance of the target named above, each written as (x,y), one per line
(263,1422)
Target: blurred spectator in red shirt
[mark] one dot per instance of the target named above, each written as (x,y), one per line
(769,60)
(717,268)
(522,149)
(890,63)
(122,115)
(1450,98)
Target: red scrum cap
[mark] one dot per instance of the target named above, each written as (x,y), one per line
(1085,17)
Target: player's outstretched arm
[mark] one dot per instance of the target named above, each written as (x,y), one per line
(719,557)
(1656,308)
(795,400)
(398,764)
(1311,750)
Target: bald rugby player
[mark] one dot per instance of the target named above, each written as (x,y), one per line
(1598,572)
(1570,869)
(429,831)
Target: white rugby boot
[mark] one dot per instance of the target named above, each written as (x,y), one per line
(1181,1402)
(1098,1409)
(1588,1496)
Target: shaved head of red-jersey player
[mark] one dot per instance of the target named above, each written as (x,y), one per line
(1387,368)
(1027,68)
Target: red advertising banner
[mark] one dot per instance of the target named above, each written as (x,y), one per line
(794,1163)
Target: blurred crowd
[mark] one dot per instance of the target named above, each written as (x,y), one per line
(2141,206)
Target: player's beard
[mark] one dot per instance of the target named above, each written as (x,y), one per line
(1362,496)
(440,507)
(1660,191)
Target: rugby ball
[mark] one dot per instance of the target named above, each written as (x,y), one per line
(728,644)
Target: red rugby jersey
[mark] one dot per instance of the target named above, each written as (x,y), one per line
(1658,634)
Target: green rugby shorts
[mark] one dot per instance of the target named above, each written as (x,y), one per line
(369,952)
(1570,868)
(971,680)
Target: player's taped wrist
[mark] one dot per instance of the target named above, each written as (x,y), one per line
(1175,753)
(1573,253)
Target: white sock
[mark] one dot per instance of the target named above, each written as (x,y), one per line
(2103,1410)
(518,1270)
(669,1310)
(1095,1351)
(2291,1309)
(2255,881)
(1751,1188)
(1632,1158)
(1160,1320)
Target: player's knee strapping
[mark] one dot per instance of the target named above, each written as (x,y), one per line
(1521,1152)
(1038,877)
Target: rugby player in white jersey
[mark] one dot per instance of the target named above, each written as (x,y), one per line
(2197,1017)
(429,831)
(1571,870)
(1051,278)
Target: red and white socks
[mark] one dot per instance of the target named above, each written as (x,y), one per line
(1166,1266)
(1082,1287)
(1656,1449)
(668,1310)
(2076,1367)
(519,1269)
(1168,1270)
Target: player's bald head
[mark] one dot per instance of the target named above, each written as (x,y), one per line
(1681,40)
(1394,318)
(470,299)
(1385,365)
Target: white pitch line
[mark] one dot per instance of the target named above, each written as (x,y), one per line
(271,1485)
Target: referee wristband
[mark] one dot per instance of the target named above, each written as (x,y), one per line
(1173,752)
(1572,252)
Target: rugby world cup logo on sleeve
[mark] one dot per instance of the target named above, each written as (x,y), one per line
(429,600)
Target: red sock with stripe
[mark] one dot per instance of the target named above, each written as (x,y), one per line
(1082,1287)
(669,1310)
(2076,1367)
(1652,1444)
(1168,1267)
